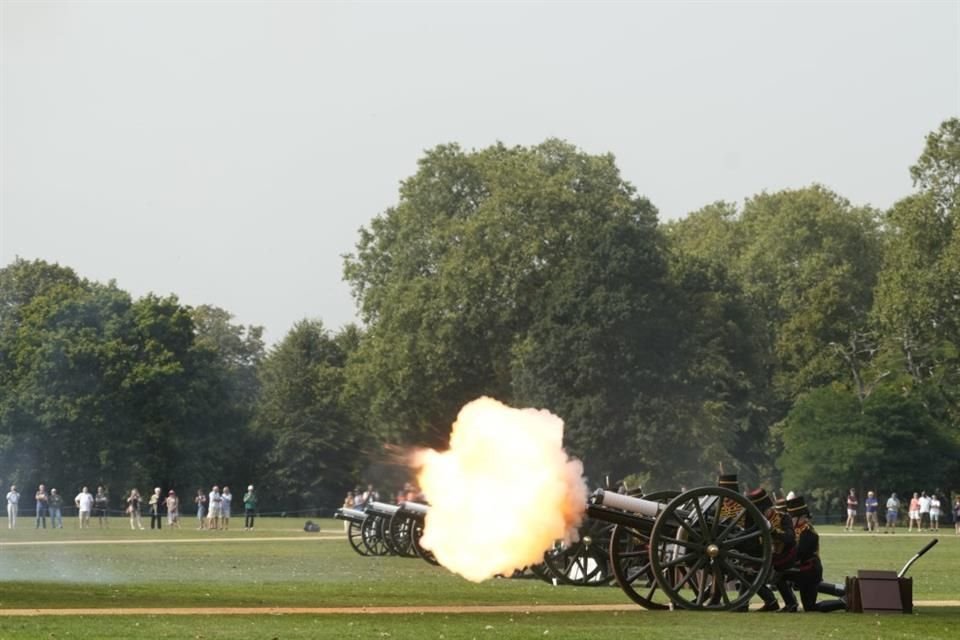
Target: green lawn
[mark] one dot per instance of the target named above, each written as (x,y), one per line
(189,568)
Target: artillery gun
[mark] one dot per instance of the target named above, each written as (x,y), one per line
(707,548)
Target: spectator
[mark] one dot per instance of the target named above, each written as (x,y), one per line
(56,510)
(370,495)
(851,510)
(156,502)
(956,515)
(870,506)
(924,511)
(84,502)
(914,512)
(249,508)
(13,500)
(173,509)
(893,511)
(348,503)
(934,513)
(201,501)
(101,502)
(133,509)
(213,508)
(226,502)
(43,498)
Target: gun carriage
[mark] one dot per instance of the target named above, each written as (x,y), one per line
(707,548)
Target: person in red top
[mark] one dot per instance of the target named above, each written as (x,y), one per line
(914,512)
(851,510)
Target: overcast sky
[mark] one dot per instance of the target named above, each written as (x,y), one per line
(228,152)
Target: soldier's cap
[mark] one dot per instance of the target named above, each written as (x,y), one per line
(760,499)
(798,507)
(728,480)
(780,504)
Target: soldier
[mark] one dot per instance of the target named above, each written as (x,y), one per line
(808,572)
(784,553)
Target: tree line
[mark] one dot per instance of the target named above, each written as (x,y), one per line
(797,338)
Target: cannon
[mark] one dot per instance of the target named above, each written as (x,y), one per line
(704,549)
(356,518)
(407,532)
(375,530)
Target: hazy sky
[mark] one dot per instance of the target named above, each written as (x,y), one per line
(228,152)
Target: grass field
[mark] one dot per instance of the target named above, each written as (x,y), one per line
(280,566)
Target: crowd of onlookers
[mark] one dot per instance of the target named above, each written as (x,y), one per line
(213,508)
(924,512)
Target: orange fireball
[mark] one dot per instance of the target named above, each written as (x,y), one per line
(503,492)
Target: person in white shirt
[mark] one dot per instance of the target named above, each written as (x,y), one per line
(13,499)
(226,499)
(935,512)
(924,510)
(84,502)
(214,508)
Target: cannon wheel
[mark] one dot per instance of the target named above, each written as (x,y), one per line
(399,534)
(416,532)
(583,563)
(373,536)
(630,560)
(706,561)
(355,536)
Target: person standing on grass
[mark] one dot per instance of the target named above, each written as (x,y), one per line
(133,508)
(226,500)
(56,510)
(934,513)
(13,500)
(42,498)
(870,506)
(924,511)
(348,503)
(913,512)
(84,502)
(201,501)
(173,509)
(956,515)
(893,511)
(100,504)
(156,504)
(249,508)
(851,510)
(214,511)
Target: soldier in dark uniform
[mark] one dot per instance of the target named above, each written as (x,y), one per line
(808,571)
(784,552)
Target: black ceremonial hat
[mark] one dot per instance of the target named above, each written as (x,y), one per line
(797,507)
(728,480)
(760,499)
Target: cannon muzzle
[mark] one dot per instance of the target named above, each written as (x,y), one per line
(639,506)
(350,515)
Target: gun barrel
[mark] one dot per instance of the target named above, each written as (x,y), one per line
(415,508)
(639,506)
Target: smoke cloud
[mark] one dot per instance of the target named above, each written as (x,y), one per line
(503,493)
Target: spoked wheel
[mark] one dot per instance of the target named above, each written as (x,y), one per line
(630,560)
(416,532)
(542,571)
(585,562)
(705,559)
(373,537)
(355,536)
(398,531)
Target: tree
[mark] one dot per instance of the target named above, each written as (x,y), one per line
(889,442)
(312,443)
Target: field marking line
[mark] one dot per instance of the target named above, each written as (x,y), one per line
(26,543)
(276,611)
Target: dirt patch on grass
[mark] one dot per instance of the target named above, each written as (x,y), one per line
(278,611)
(26,543)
